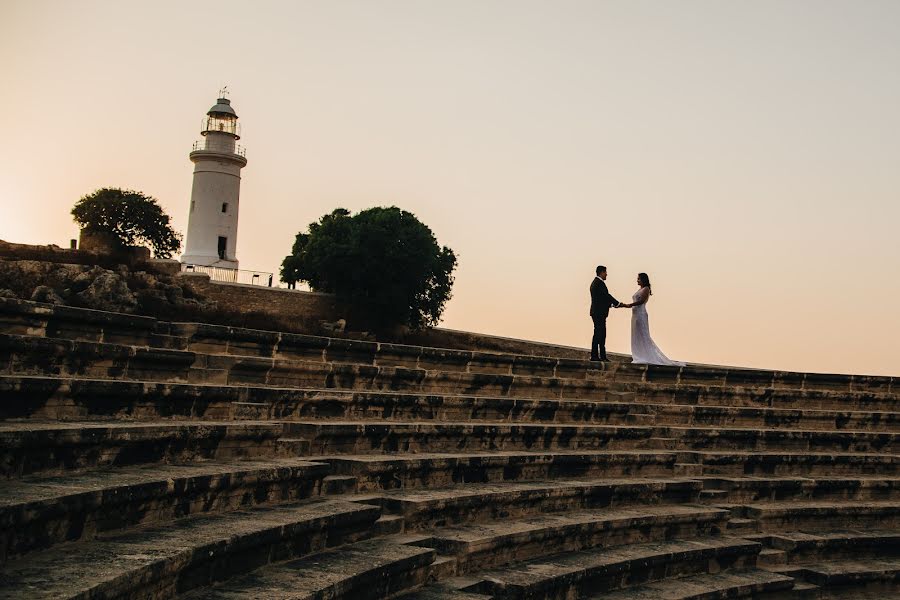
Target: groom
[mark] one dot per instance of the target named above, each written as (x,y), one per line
(601,300)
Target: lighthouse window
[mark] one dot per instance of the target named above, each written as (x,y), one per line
(224,207)
(223,241)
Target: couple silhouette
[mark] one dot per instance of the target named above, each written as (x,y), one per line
(643,348)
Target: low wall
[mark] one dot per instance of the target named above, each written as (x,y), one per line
(284,305)
(134,256)
(52,254)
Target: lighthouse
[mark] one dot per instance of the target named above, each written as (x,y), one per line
(213,218)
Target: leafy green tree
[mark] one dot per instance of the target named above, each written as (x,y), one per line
(385,261)
(130,217)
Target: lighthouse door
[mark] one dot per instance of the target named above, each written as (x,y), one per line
(223,243)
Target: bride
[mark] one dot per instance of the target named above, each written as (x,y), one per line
(643,350)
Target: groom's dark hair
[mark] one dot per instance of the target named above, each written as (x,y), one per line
(600,269)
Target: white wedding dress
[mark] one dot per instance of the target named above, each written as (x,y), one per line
(643,350)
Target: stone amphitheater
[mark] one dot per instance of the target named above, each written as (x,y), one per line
(150,459)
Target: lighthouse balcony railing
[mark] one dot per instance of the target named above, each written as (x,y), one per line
(226,275)
(208,145)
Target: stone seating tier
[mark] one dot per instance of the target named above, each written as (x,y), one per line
(32,448)
(38,512)
(24,355)
(32,319)
(146,459)
(167,559)
(365,571)
(745,583)
(581,574)
(72,398)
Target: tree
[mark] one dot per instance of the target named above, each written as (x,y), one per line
(130,217)
(385,261)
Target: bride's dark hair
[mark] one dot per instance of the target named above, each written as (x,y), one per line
(645,281)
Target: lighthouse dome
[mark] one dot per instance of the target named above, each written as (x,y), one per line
(222,108)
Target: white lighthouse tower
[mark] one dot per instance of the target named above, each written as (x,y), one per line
(213,219)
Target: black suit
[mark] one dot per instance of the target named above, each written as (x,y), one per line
(601,301)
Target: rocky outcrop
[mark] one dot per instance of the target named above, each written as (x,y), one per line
(47,295)
(91,286)
(108,291)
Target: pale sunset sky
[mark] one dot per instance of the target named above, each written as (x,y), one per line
(746,154)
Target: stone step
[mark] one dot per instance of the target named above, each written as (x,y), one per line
(663,443)
(340,437)
(30,355)
(362,571)
(338,484)
(161,561)
(813,516)
(731,396)
(738,526)
(685,438)
(775,418)
(253,411)
(808,591)
(488,544)
(443,568)
(23,355)
(762,439)
(758,489)
(292,446)
(604,570)
(71,398)
(44,446)
(770,557)
(848,572)
(425,509)
(79,398)
(289,404)
(28,318)
(354,437)
(51,447)
(688,470)
(76,398)
(37,512)
(743,583)
(388,525)
(32,447)
(442,591)
(376,472)
(713,496)
(37,319)
(800,547)
(792,463)
(407,471)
